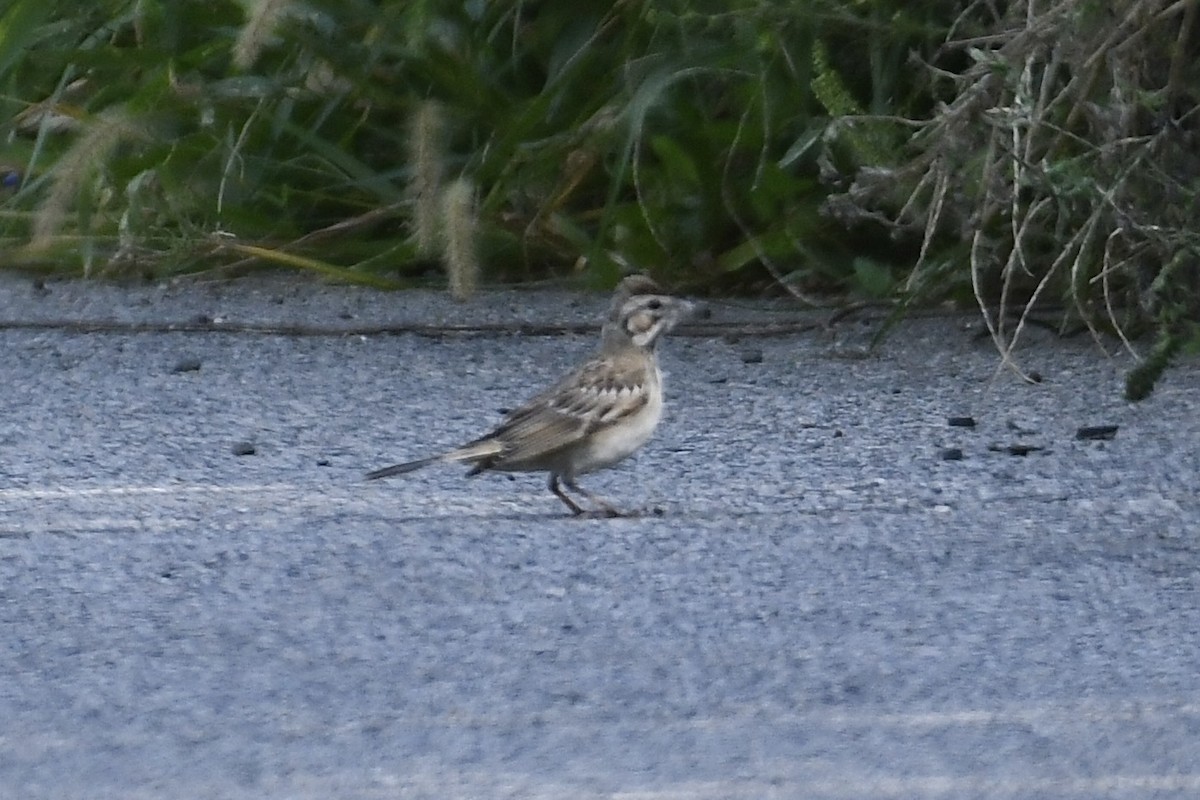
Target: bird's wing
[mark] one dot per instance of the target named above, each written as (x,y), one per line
(597,395)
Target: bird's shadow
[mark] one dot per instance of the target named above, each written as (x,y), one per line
(652,512)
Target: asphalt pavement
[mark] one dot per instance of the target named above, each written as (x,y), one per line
(858,574)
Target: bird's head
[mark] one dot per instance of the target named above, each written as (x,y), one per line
(640,313)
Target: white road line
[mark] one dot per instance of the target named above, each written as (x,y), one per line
(82,501)
(967,786)
(928,786)
(1082,712)
(67,492)
(1064,713)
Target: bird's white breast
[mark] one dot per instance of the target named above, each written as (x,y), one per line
(608,446)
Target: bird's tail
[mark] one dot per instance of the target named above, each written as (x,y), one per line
(400,469)
(473,453)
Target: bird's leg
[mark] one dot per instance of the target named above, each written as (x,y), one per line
(603,508)
(576,509)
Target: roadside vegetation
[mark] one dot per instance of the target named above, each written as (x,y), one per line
(1034,159)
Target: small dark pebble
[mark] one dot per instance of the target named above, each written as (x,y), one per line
(39,286)
(202,319)
(1097,432)
(752,355)
(323,462)
(187,365)
(243,449)
(961,422)
(1036,376)
(952,454)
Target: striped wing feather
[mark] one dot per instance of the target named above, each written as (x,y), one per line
(593,397)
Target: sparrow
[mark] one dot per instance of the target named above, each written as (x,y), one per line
(595,416)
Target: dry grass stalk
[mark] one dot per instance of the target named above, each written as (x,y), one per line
(425,159)
(76,166)
(461,255)
(262,20)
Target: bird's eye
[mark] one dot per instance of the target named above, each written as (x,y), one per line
(654,305)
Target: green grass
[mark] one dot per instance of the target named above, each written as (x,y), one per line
(682,138)
(910,153)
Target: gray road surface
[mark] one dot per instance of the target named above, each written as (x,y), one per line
(823,606)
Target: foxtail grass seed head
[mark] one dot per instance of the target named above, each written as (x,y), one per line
(93,147)
(460,254)
(425,160)
(262,18)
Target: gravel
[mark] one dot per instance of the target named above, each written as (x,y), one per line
(200,597)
